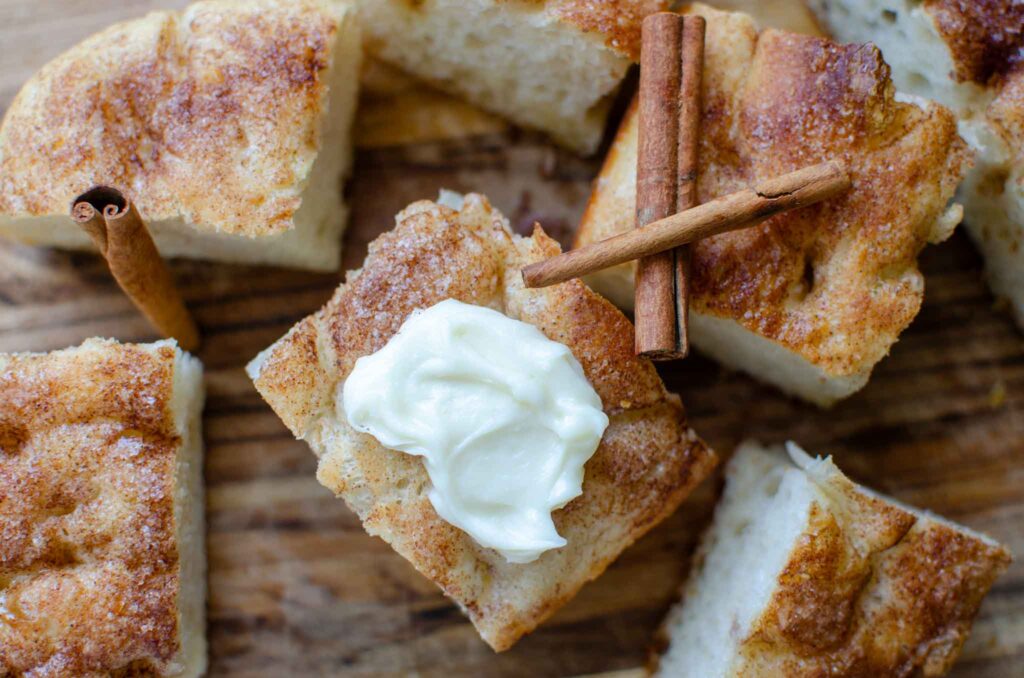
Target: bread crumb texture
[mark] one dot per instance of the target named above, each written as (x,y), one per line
(550,65)
(89,566)
(617,21)
(211,114)
(647,463)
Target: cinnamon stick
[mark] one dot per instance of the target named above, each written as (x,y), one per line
(690,110)
(744,208)
(656,315)
(121,236)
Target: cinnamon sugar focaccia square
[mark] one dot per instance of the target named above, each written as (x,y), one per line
(803,574)
(646,464)
(102,558)
(226,124)
(811,300)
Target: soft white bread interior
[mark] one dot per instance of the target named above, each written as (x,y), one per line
(552,65)
(103,559)
(232,149)
(803,573)
(811,300)
(964,55)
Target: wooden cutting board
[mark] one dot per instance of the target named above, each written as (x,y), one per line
(297,587)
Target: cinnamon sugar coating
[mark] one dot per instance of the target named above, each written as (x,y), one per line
(89,565)
(985,37)
(211,114)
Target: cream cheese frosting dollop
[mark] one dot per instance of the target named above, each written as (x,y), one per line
(503,417)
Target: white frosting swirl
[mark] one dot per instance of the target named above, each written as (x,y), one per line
(503,417)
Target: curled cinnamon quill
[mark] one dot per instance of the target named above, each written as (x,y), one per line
(121,236)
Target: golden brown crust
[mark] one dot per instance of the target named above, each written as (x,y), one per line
(211,114)
(836,282)
(938,576)
(908,613)
(89,574)
(985,37)
(871,589)
(815,604)
(618,21)
(647,463)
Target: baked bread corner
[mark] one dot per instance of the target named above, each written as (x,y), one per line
(804,573)
(965,55)
(552,65)
(102,556)
(647,463)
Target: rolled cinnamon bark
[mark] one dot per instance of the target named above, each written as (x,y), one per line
(690,110)
(121,236)
(656,314)
(671,66)
(742,209)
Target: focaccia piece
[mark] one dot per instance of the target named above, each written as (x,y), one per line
(804,573)
(647,463)
(553,65)
(226,124)
(102,558)
(812,299)
(968,56)
(397,109)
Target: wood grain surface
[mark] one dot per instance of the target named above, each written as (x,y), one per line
(297,587)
